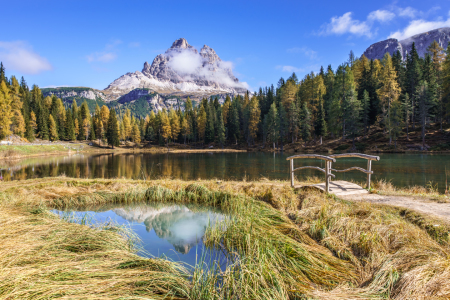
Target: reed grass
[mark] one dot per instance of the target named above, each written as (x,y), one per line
(280,245)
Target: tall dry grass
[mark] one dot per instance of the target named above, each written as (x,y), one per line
(281,245)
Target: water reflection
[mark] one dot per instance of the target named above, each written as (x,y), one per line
(172,231)
(401,169)
(178,225)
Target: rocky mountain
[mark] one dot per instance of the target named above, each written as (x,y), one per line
(422,41)
(181,71)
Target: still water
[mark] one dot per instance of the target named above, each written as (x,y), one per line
(170,231)
(401,169)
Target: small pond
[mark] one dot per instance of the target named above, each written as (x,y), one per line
(174,232)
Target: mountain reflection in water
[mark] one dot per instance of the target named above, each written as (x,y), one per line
(178,225)
(168,230)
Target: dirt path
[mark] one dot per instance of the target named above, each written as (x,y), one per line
(441,210)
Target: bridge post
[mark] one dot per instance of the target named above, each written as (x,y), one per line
(369,168)
(291,167)
(327,176)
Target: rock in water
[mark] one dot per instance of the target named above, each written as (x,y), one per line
(422,41)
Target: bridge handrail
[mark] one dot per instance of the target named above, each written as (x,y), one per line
(323,157)
(359,155)
(328,161)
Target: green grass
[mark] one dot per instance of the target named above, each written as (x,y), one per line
(36,149)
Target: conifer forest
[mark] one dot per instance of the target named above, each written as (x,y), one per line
(395,94)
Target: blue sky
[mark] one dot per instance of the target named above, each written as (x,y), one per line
(91,43)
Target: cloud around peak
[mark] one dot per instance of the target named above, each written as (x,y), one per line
(19,56)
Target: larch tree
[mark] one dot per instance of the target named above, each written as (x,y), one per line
(6,112)
(166,130)
(389,91)
(365,111)
(136,135)
(174,124)
(201,123)
(53,130)
(254,118)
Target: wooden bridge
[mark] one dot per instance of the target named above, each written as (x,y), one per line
(338,188)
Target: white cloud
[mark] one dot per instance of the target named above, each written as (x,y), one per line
(189,63)
(407,12)
(346,24)
(101,57)
(19,56)
(381,16)
(134,45)
(304,50)
(419,26)
(289,69)
(113,44)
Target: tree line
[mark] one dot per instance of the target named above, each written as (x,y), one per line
(395,94)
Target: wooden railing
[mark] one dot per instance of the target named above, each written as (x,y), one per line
(328,161)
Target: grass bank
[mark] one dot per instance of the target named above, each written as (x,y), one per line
(285,245)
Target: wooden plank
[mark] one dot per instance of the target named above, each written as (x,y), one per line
(338,188)
(360,155)
(323,157)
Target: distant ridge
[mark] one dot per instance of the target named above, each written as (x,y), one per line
(422,41)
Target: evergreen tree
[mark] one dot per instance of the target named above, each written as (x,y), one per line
(6,111)
(424,106)
(70,132)
(365,110)
(293,121)
(3,75)
(305,122)
(254,118)
(320,126)
(112,131)
(273,131)
(220,128)
(413,78)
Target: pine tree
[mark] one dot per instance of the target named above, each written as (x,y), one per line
(413,78)
(220,128)
(233,122)
(407,110)
(70,132)
(396,120)
(305,122)
(365,110)
(320,126)
(424,106)
(273,131)
(293,122)
(112,131)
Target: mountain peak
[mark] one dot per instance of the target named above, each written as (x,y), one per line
(421,41)
(181,43)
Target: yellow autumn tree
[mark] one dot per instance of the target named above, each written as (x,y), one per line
(201,123)
(226,109)
(136,134)
(126,126)
(254,118)
(5,111)
(288,93)
(76,128)
(53,130)
(174,124)
(86,127)
(104,115)
(389,91)
(166,130)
